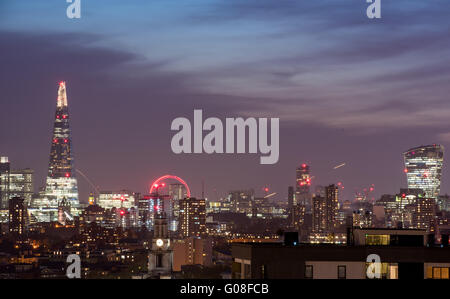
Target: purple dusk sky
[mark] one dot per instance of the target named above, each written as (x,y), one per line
(346,88)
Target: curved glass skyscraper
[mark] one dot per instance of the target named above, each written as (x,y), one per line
(423,168)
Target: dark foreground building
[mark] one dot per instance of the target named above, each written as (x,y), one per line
(404,254)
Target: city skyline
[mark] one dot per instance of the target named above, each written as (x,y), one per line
(201,144)
(125,89)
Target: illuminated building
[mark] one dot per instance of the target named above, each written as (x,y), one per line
(303,185)
(4,182)
(298,215)
(94,213)
(21,184)
(241,201)
(17,216)
(399,210)
(192,217)
(61,181)
(319,215)
(423,168)
(116,199)
(14,183)
(332,205)
(325,210)
(362,219)
(424,213)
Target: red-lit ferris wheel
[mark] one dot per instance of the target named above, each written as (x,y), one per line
(160,183)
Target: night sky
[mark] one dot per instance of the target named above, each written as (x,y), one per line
(346,88)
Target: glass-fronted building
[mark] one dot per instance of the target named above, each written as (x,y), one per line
(61,181)
(423,168)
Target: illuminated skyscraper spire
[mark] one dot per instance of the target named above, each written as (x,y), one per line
(61,181)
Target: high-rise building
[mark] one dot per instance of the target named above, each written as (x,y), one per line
(21,184)
(424,213)
(325,210)
(17,216)
(319,217)
(332,205)
(4,182)
(302,186)
(423,168)
(61,180)
(14,183)
(192,217)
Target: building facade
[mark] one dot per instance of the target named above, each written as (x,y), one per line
(423,168)
(61,179)
(192,217)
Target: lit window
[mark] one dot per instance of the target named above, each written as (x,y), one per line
(308,272)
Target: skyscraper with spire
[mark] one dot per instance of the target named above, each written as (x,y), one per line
(61,181)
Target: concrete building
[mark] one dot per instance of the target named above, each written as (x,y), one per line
(396,254)
(192,251)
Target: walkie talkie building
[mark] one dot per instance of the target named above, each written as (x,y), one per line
(61,181)
(423,168)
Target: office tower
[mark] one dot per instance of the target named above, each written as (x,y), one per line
(61,181)
(21,184)
(423,168)
(302,186)
(17,216)
(116,199)
(192,217)
(4,182)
